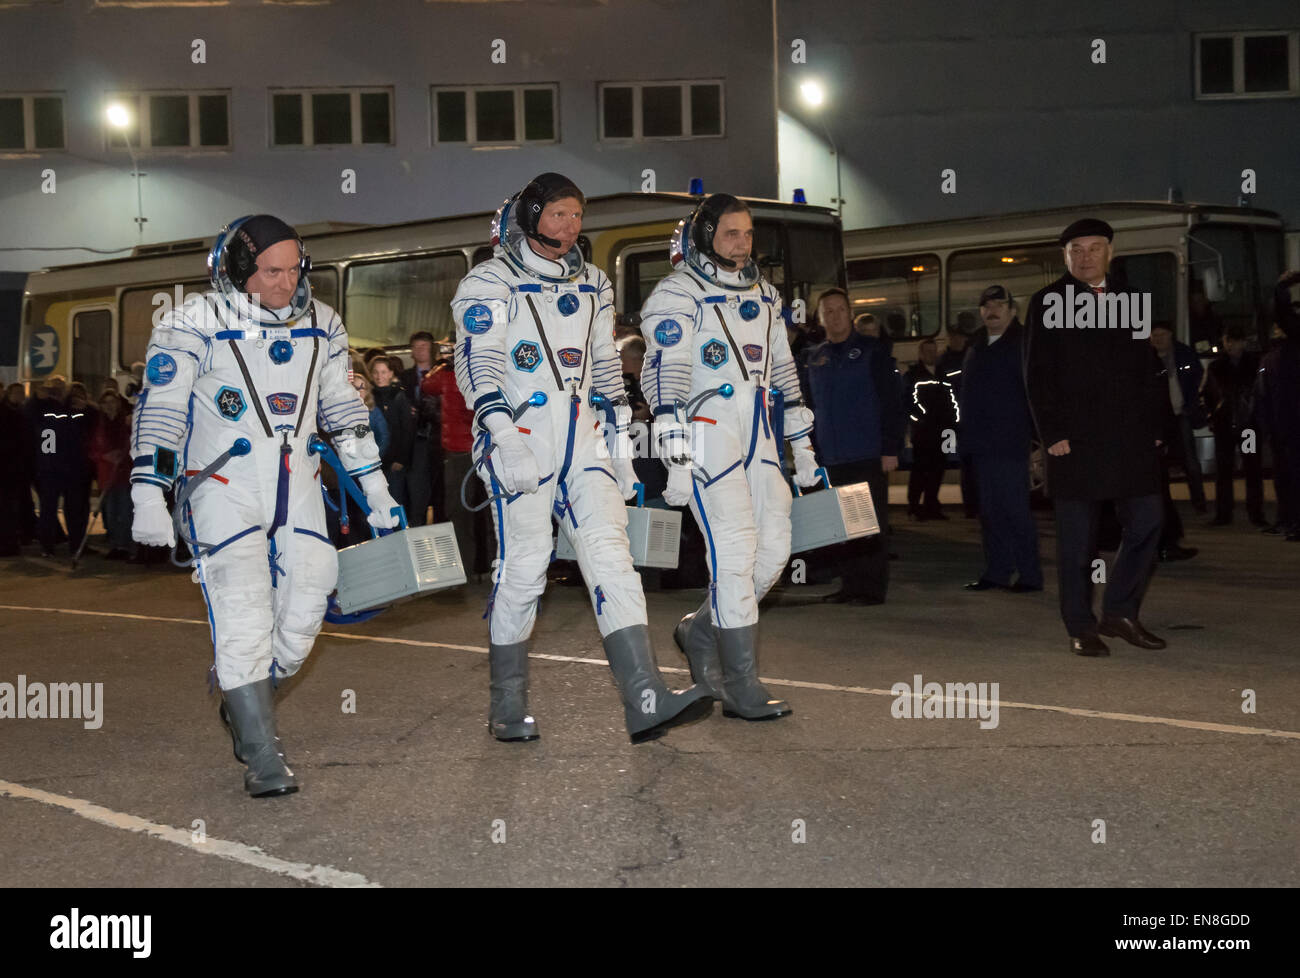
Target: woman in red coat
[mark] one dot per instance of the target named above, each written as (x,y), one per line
(110,450)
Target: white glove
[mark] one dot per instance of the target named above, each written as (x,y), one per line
(380,500)
(624,473)
(805,464)
(681,485)
(152,524)
(512,459)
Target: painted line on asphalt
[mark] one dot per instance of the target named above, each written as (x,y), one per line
(221,848)
(1229,728)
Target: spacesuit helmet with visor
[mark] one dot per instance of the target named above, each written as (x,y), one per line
(233,261)
(516,220)
(692,242)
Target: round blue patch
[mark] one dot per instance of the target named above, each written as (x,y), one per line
(281,351)
(748,310)
(161,370)
(668,333)
(478,319)
(568,303)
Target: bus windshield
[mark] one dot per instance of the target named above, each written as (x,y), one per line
(1232,269)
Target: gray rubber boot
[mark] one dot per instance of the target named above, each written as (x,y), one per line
(742,694)
(508,717)
(251,715)
(698,640)
(650,708)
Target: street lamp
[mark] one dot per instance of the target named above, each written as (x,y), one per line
(119,118)
(814,96)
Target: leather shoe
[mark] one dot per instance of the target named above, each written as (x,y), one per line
(1176,552)
(984,584)
(1131,631)
(1088,644)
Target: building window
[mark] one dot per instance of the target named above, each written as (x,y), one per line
(30,123)
(661,110)
(172,120)
(494,115)
(902,292)
(332,117)
(1248,65)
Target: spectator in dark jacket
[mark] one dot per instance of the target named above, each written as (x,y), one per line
(853,390)
(1183,373)
(933,413)
(396,407)
(1279,405)
(15,471)
(63,470)
(952,361)
(996,431)
(110,450)
(1230,402)
(1097,402)
(424,477)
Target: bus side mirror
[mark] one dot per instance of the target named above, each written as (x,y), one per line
(1212,281)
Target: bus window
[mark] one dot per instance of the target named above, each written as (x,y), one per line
(135,317)
(1022,270)
(387,301)
(642,271)
(902,293)
(816,261)
(1157,273)
(92,349)
(325,285)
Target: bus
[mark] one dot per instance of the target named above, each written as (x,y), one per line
(1206,266)
(91,322)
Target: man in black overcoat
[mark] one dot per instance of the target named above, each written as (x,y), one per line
(1096,397)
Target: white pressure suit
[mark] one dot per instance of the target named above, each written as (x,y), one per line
(265,563)
(705,329)
(534,348)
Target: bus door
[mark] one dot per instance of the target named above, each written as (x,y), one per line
(92,347)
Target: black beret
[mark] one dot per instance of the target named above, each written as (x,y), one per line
(1086,228)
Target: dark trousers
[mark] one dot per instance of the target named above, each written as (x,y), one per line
(420,483)
(1286,481)
(116,510)
(1191,462)
(923,482)
(1140,519)
(75,490)
(12,491)
(469,525)
(1006,522)
(863,564)
(1226,444)
(970,494)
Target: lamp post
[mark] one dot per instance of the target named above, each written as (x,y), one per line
(814,96)
(119,118)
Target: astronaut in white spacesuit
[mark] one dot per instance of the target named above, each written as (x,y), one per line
(725,393)
(534,352)
(236,382)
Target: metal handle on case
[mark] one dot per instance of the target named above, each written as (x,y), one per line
(826,480)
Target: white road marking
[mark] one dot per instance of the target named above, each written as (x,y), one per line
(1075,711)
(221,848)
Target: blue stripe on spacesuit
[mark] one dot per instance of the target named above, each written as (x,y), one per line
(203,586)
(722,473)
(713,552)
(597,468)
(568,444)
(501,542)
(239,334)
(226,542)
(753,431)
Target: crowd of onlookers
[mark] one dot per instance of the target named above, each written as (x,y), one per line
(58,442)
(953,407)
